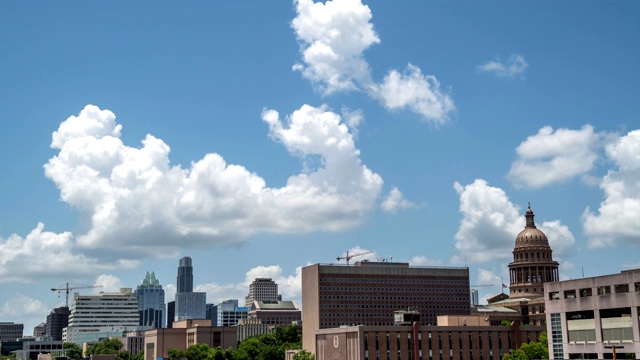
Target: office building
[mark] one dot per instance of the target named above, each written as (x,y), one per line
(39,330)
(475,299)
(185,275)
(190,305)
(211,311)
(10,331)
(281,313)
(262,289)
(151,306)
(157,342)
(421,342)
(587,317)
(171,313)
(229,313)
(368,293)
(96,317)
(57,320)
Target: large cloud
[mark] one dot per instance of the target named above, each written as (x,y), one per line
(556,156)
(334,36)
(491,223)
(45,254)
(136,202)
(616,221)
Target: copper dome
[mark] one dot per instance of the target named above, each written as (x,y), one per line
(531,236)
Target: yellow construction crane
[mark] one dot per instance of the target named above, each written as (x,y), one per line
(66,289)
(348,257)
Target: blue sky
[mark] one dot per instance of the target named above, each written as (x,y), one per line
(258,137)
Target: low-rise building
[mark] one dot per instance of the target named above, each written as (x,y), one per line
(183,334)
(587,317)
(10,331)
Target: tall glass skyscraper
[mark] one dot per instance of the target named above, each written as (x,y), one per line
(185,275)
(151,306)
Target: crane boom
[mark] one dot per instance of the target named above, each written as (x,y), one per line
(348,257)
(66,289)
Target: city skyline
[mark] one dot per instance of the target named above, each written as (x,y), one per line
(260,138)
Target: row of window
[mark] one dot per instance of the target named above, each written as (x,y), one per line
(390,306)
(394,298)
(394,281)
(395,290)
(600,290)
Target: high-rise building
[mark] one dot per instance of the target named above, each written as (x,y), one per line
(262,289)
(229,313)
(368,293)
(151,306)
(185,275)
(57,320)
(212,314)
(103,315)
(475,300)
(171,313)
(10,331)
(189,305)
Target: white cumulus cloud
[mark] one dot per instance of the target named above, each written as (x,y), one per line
(616,220)
(555,156)
(421,260)
(516,65)
(108,284)
(138,203)
(491,223)
(396,201)
(334,36)
(60,251)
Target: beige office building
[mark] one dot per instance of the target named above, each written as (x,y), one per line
(587,317)
(185,333)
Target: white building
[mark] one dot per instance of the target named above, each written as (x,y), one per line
(262,289)
(229,313)
(94,317)
(587,317)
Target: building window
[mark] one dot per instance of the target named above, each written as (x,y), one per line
(621,288)
(604,290)
(556,336)
(570,294)
(585,292)
(554,295)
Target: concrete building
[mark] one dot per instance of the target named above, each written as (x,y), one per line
(57,320)
(188,304)
(531,268)
(368,293)
(31,349)
(229,313)
(421,342)
(10,331)
(183,334)
(96,317)
(151,306)
(585,317)
(275,312)
(262,289)
(39,330)
(252,327)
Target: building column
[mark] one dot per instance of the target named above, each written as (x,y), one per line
(636,328)
(598,326)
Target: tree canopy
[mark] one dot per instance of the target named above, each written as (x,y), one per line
(533,350)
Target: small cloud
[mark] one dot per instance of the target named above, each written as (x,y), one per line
(395,201)
(421,260)
(108,283)
(516,65)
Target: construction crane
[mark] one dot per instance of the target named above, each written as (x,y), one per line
(481,285)
(348,257)
(67,289)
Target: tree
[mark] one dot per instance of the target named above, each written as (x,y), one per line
(74,352)
(109,346)
(533,350)
(177,354)
(304,355)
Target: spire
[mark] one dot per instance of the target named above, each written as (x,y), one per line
(529,216)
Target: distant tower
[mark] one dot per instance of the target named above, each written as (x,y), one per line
(261,289)
(475,300)
(185,275)
(57,320)
(532,264)
(151,306)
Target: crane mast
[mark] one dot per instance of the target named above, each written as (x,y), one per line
(349,257)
